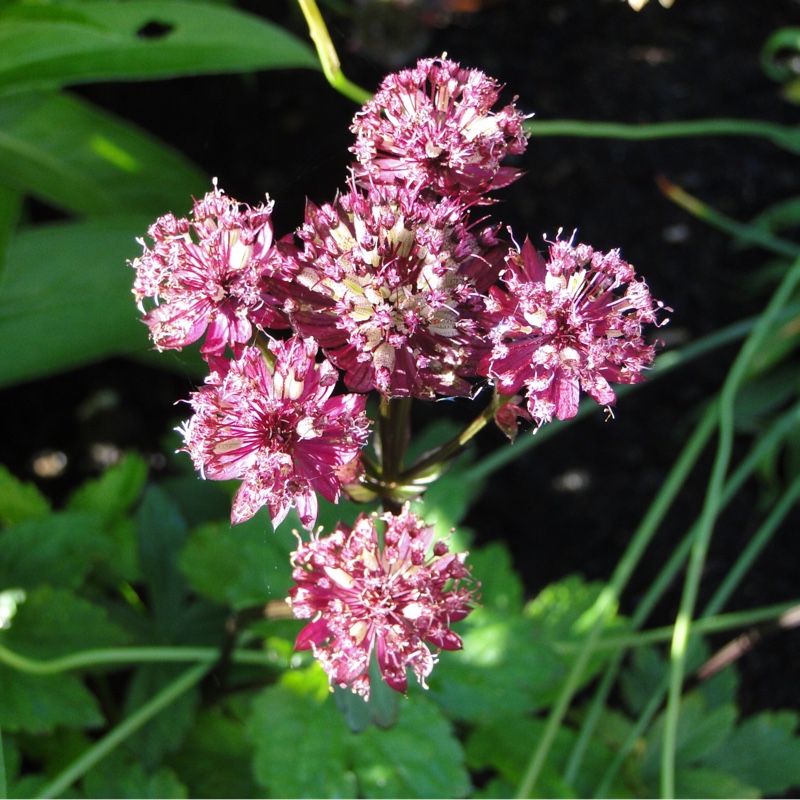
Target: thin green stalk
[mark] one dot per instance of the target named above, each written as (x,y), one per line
(125,655)
(708,518)
(706,625)
(661,583)
(782,135)
(126,728)
(762,537)
(3,784)
(609,597)
(328,58)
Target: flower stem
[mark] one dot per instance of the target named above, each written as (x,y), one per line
(328,58)
(104,746)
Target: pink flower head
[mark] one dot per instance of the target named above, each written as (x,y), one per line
(393,288)
(560,328)
(276,428)
(205,273)
(391,599)
(432,127)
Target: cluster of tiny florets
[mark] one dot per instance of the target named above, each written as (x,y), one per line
(398,286)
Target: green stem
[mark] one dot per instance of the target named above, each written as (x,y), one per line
(609,597)
(708,518)
(328,58)
(3,783)
(782,135)
(779,430)
(126,728)
(706,625)
(126,655)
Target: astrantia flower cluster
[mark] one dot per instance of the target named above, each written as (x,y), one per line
(400,286)
(390,600)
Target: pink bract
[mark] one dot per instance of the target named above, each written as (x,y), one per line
(432,128)
(559,328)
(277,429)
(205,275)
(390,600)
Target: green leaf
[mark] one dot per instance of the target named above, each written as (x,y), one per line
(164,733)
(54,622)
(501,589)
(301,745)
(66,299)
(700,732)
(19,501)
(214,760)
(241,565)
(82,159)
(764,751)
(505,669)
(115,491)
(44,45)
(58,550)
(693,782)
(161,532)
(40,703)
(118,776)
(391,763)
(10,209)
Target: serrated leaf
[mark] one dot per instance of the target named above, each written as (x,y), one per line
(501,589)
(764,751)
(72,42)
(54,622)
(504,670)
(241,565)
(40,703)
(214,760)
(701,731)
(84,160)
(19,501)
(71,278)
(164,733)
(301,745)
(115,491)
(391,763)
(691,782)
(118,776)
(161,533)
(57,550)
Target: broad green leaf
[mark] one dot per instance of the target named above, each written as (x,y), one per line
(391,763)
(215,758)
(44,45)
(302,745)
(66,299)
(54,622)
(40,703)
(505,669)
(59,549)
(691,782)
(115,491)
(164,733)
(241,565)
(82,159)
(19,501)
(161,532)
(10,208)
(118,776)
(764,751)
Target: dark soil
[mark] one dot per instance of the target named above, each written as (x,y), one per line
(572,504)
